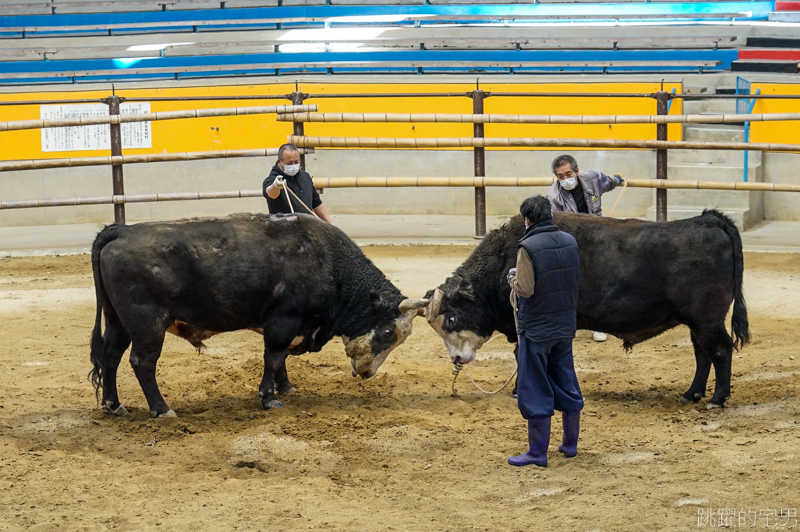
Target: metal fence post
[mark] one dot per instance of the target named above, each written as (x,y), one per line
(116,149)
(480,166)
(662,108)
(297,99)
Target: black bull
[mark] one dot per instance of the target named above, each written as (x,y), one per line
(638,279)
(294,279)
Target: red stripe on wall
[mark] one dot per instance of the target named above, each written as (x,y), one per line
(787,6)
(785,55)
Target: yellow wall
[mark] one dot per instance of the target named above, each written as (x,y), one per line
(244,132)
(780,132)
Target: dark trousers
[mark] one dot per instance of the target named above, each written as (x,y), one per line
(546,378)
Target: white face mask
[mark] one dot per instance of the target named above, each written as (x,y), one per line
(291,169)
(569,183)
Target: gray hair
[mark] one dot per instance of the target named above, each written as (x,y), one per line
(561,160)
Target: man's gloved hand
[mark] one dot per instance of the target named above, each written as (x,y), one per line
(619,178)
(280,182)
(511,274)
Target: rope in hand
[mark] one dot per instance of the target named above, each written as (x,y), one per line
(460,367)
(624,186)
(290,191)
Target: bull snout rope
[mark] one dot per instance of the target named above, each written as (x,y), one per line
(460,367)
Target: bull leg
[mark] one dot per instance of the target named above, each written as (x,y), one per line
(516,358)
(283,386)
(145,353)
(278,336)
(702,368)
(274,365)
(720,351)
(115,342)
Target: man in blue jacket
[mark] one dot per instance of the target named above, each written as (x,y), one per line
(546,280)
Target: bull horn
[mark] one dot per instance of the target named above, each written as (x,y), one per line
(412,304)
(436,304)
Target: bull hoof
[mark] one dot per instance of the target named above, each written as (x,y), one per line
(711,406)
(119,411)
(168,413)
(689,397)
(272,404)
(287,391)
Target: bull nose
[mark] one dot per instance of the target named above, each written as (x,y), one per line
(366,375)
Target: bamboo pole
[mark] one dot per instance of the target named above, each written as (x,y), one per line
(377,182)
(38,164)
(533,119)
(151,117)
(506,142)
(382,182)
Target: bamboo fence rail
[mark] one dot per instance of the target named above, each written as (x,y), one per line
(508,142)
(151,117)
(533,119)
(38,164)
(357,182)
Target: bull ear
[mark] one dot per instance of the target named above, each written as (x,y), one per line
(465,290)
(435,304)
(411,304)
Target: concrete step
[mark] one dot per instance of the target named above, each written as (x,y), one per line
(711,106)
(721,199)
(746,207)
(712,172)
(715,157)
(721,106)
(713,133)
(784,16)
(695,107)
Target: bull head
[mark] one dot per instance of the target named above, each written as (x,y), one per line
(369,351)
(461,343)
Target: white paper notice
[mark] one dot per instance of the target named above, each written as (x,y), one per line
(134,134)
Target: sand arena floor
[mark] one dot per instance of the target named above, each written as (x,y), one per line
(396,452)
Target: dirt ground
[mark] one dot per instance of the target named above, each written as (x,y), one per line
(395,452)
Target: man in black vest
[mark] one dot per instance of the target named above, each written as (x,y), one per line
(287,173)
(546,281)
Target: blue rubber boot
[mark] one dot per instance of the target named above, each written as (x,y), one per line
(538,440)
(572,427)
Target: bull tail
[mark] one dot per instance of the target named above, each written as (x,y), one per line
(739,322)
(97,346)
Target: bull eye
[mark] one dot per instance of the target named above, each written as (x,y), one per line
(451,321)
(387,333)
